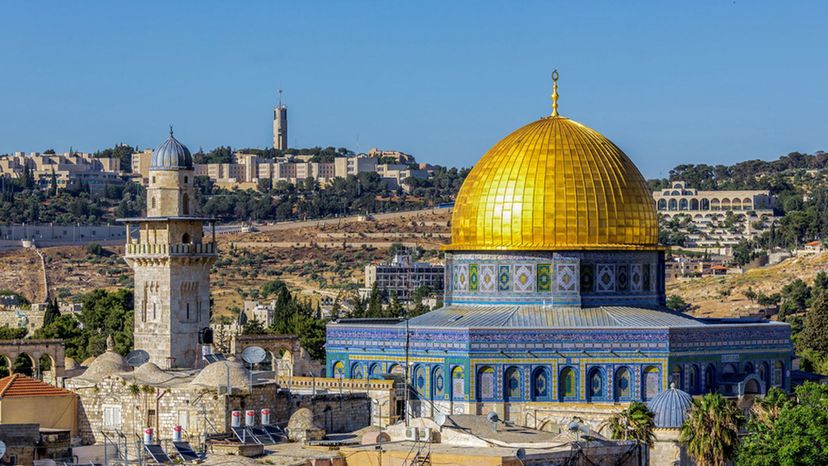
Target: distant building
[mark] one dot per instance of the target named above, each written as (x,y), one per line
(280,126)
(707,213)
(402,276)
(69,169)
(399,157)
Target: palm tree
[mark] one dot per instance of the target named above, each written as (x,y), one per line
(711,430)
(634,423)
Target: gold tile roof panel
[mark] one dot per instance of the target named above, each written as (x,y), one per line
(554,184)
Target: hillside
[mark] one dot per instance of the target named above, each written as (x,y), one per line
(313,256)
(723,296)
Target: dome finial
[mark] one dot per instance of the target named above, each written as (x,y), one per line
(555,93)
(171,131)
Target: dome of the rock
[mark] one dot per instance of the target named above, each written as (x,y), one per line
(554,184)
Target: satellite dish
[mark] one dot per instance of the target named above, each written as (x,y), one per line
(2,448)
(492,417)
(520,454)
(254,354)
(440,419)
(137,358)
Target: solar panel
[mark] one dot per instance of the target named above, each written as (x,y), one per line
(157,454)
(275,432)
(261,435)
(186,452)
(244,437)
(214,357)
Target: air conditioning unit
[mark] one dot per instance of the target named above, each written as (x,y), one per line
(425,434)
(412,434)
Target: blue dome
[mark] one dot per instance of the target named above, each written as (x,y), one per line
(171,154)
(670,408)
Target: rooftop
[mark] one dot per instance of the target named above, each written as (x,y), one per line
(21,386)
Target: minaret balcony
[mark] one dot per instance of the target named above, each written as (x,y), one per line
(178,249)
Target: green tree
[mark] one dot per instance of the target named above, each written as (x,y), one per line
(52,312)
(814,333)
(795,296)
(253,327)
(11,333)
(676,303)
(634,423)
(795,431)
(711,430)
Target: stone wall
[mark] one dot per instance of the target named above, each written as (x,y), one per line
(20,440)
(197,409)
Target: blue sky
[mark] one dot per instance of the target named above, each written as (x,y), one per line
(669,82)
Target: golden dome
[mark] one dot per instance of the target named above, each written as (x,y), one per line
(554,184)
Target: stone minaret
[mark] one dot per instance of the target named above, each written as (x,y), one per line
(171,258)
(280,126)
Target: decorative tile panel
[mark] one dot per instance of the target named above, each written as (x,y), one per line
(565,277)
(474,278)
(635,277)
(622,280)
(606,278)
(504,278)
(587,278)
(544,277)
(524,279)
(461,277)
(488,278)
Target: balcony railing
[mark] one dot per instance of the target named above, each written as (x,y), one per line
(178,249)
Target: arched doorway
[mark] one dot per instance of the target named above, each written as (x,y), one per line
(24,364)
(5,366)
(284,363)
(47,369)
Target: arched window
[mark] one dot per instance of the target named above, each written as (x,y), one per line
(419,380)
(778,373)
(438,384)
(458,384)
(662,204)
(748,369)
(396,369)
(541,389)
(185,204)
(693,380)
(511,384)
(683,204)
(339,370)
(185,238)
(376,369)
(705,204)
(596,384)
(676,376)
(676,193)
(623,384)
(709,378)
(694,204)
(652,383)
(568,384)
(357,372)
(485,384)
(186,179)
(764,374)
(672,205)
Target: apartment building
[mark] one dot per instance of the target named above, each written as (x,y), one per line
(402,276)
(715,218)
(70,169)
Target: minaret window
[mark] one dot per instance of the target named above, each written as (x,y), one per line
(185,202)
(188,311)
